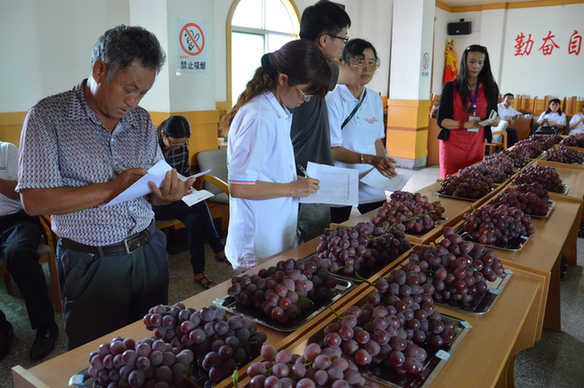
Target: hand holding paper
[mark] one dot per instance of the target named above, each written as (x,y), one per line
(492,118)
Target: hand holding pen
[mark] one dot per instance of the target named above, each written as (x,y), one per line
(303,187)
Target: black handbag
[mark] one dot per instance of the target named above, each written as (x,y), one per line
(546,130)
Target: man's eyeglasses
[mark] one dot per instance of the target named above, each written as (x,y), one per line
(345,39)
(305,96)
(361,64)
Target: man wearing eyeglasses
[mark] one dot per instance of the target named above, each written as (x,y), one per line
(326,24)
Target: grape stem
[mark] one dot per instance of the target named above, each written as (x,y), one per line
(363,279)
(306,299)
(235,378)
(336,314)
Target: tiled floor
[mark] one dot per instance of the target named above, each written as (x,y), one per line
(554,361)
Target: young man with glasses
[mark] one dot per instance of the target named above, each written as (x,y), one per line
(326,24)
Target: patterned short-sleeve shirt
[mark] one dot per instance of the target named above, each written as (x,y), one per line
(63,144)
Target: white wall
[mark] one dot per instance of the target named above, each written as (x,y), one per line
(46,46)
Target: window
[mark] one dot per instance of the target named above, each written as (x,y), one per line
(258,27)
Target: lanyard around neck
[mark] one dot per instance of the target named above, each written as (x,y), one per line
(474,98)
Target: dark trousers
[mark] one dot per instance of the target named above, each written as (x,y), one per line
(342,214)
(102,293)
(20,235)
(511,136)
(200,226)
(313,219)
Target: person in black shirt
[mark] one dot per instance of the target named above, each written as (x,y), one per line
(174,135)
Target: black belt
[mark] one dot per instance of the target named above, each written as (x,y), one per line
(127,246)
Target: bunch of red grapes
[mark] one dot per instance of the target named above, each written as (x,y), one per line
(283,291)
(546,141)
(501,161)
(413,210)
(219,344)
(531,198)
(519,156)
(490,171)
(576,140)
(126,363)
(529,147)
(316,367)
(457,270)
(547,176)
(468,183)
(563,154)
(349,249)
(497,225)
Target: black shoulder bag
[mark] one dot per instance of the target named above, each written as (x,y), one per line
(350,116)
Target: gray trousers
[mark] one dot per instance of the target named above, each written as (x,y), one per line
(102,293)
(313,219)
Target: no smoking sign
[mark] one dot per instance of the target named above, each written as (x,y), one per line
(192,39)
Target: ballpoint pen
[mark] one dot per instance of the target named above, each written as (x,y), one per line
(302,170)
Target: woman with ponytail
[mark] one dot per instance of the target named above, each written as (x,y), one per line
(263,184)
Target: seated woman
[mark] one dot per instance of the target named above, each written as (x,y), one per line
(577,123)
(552,117)
(174,134)
(263,184)
(356,125)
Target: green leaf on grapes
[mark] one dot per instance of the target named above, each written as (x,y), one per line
(235,378)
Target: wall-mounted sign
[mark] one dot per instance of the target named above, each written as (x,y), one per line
(192,56)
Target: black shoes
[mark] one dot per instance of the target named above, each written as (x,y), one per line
(6,333)
(46,338)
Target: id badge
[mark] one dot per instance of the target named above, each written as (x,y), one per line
(471,118)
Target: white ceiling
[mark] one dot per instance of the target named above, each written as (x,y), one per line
(463,3)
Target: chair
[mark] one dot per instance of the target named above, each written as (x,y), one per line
(215,182)
(47,251)
(499,140)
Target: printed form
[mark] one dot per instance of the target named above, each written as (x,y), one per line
(338,186)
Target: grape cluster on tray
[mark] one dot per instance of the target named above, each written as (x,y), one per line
(498,225)
(501,161)
(349,250)
(220,344)
(576,140)
(546,141)
(284,291)
(468,183)
(528,147)
(563,154)
(417,214)
(531,198)
(191,348)
(316,367)
(458,270)
(519,156)
(547,176)
(124,362)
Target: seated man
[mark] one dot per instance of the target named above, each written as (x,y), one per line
(508,116)
(20,235)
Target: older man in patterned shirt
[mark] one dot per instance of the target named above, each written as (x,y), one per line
(79,150)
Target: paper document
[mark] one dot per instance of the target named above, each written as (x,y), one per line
(490,120)
(338,186)
(196,196)
(375,179)
(140,188)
